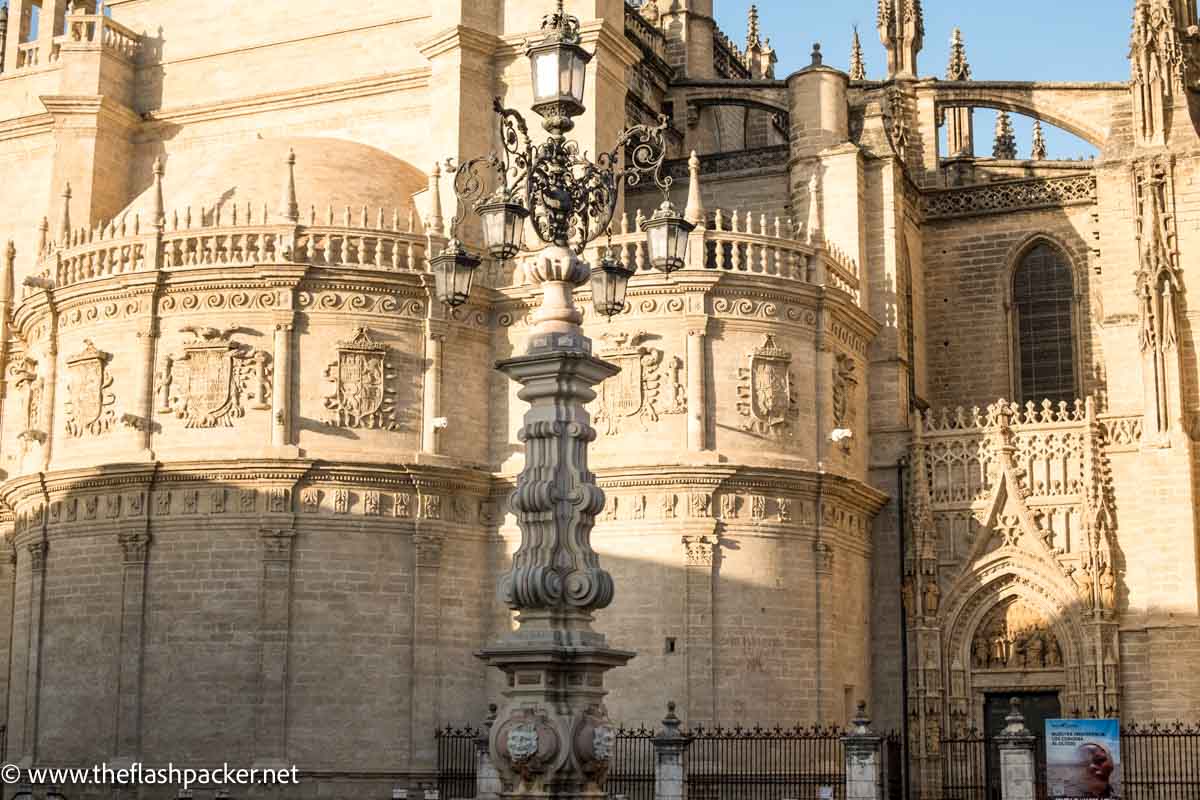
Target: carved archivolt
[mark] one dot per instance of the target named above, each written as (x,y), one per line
(648,386)
(213,379)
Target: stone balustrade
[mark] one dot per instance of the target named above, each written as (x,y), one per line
(27,55)
(102,31)
(98,31)
(234,236)
(641,31)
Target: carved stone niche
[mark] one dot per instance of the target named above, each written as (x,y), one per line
(1015,635)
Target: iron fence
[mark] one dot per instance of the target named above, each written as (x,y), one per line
(965,773)
(1160,762)
(765,763)
(719,764)
(456,762)
(632,770)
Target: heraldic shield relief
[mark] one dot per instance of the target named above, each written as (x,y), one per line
(635,392)
(209,383)
(89,404)
(765,398)
(362,395)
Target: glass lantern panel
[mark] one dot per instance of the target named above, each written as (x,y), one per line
(578,75)
(545,75)
(657,239)
(493,227)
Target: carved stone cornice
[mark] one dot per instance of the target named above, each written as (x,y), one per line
(84,111)
(460,37)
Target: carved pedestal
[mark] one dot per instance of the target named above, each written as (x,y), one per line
(552,737)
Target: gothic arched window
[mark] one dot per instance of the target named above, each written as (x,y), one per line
(1043,296)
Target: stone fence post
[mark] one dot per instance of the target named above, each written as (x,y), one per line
(863,762)
(669,746)
(1017,773)
(487,777)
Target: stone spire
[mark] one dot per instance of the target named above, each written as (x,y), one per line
(1161,50)
(290,208)
(901,26)
(959,69)
(1039,142)
(759,57)
(436,224)
(160,212)
(753,34)
(64,222)
(1005,146)
(694,213)
(858,69)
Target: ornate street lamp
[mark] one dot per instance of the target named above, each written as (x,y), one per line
(552,738)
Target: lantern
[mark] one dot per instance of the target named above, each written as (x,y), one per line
(667,238)
(453,270)
(503,228)
(559,68)
(610,280)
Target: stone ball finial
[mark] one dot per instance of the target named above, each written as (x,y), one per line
(817,58)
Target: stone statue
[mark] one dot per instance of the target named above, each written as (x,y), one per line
(999,650)
(980,654)
(933,597)
(1108,589)
(1083,580)
(1034,651)
(906,593)
(1053,654)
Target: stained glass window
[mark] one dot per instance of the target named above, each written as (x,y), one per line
(1042,298)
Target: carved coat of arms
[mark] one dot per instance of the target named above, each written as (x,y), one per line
(765,392)
(636,392)
(361,394)
(213,380)
(89,403)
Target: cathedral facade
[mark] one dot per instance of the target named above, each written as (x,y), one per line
(913,425)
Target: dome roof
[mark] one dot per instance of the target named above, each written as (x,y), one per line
(329,172)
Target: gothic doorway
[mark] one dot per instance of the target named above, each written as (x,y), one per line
(1037,708)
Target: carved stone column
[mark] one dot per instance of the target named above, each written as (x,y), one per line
(147,336)
(700,655)
(435,337)
(281,398)
(826,684)
(274,622)
(697,395)
(134,551)
(428,542)
(8,598)
(33,667)
(553,737)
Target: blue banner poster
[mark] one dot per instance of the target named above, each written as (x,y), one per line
(1083,757)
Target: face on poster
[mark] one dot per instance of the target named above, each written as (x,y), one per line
(1083,757)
